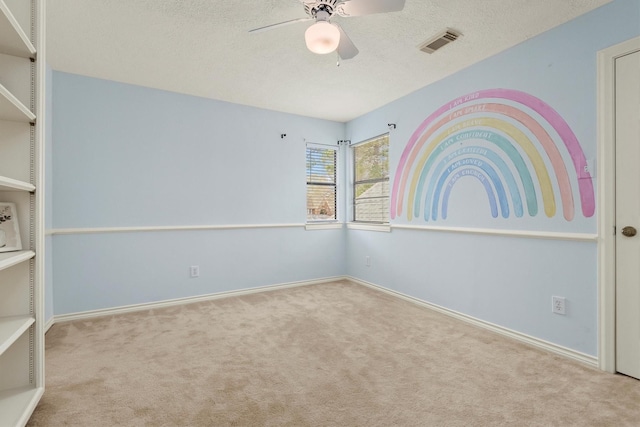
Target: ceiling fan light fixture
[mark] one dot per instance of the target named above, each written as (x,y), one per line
(322,37)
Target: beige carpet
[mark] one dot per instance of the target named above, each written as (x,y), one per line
(335,354)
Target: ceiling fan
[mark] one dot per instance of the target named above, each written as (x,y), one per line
(325,36)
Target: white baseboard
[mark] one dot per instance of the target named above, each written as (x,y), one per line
(518,336)
(524,338)
(49,324)
(188,300)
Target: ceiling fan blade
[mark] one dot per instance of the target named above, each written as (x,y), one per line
(367,7)
(280,24)
(346,49)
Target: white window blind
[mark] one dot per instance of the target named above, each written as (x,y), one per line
(321,184)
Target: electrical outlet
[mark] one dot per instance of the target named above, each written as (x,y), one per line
(367,261)
(194,271)
(558,305)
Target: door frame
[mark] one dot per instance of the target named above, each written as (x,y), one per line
(606,180)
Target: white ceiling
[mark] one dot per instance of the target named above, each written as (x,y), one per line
(203,48)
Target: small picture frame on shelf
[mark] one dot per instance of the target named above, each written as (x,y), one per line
(9,230)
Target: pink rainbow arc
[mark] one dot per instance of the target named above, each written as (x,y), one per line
(549,114)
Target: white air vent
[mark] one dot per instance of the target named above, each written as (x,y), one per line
(440,40)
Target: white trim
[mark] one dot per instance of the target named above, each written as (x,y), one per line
(549,235)
(323,226)
(518,336)
(187,300)
(369,227)
(97,230)
(38,224)
(606,201)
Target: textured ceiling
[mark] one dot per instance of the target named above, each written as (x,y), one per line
(202,48)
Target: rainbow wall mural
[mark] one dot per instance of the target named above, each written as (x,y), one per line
(509,141)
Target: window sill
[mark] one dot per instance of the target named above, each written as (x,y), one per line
(323,226)
(386,228)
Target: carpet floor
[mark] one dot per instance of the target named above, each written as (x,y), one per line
(335,354)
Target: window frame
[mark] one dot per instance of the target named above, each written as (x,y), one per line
(314,224)
(359,223)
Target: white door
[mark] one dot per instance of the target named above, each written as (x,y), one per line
(627,128)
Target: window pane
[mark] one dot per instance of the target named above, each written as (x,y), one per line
(321,184)
(371,180)
(321,165)
(371,159)
(321,202)
(372,202)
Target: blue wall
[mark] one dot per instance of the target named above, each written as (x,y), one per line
(508,281)
(128,156)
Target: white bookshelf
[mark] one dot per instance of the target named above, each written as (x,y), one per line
(22,72)
(12,328)
(11,109)
(15,405)
(9,184)
(9,259)
(13,40)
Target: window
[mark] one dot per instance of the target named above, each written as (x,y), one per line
(371,180)
(321,184)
